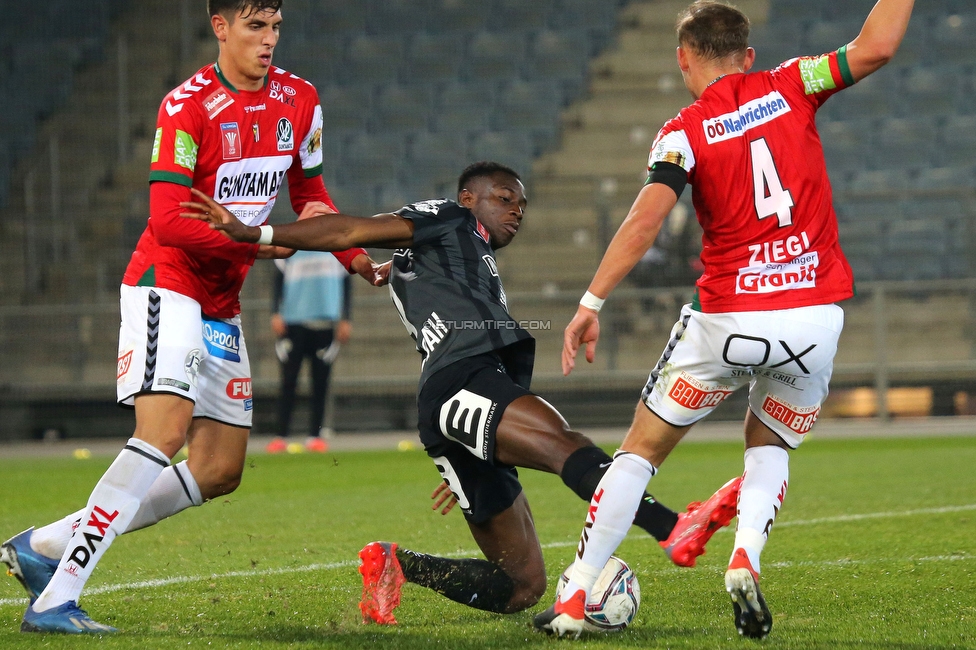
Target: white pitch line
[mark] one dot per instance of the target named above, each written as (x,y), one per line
(876,515)
(164,582)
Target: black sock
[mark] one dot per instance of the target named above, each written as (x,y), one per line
(582,472)
(476,583)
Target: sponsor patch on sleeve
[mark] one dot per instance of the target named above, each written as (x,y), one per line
(185,150)
(816,74)
(156,142)
(672,147)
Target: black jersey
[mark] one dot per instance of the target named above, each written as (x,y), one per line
(449,296)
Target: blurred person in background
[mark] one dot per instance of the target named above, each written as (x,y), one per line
(311,321)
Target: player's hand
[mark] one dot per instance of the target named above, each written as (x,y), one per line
(381,273)
(443,495)
(269,252)
(343,331)
(315,209)
(278,325)
(584,328)
(219,218)
(376,274)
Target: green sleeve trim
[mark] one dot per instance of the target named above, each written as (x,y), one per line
(845,68)
(171,177)
(696,301)
(313,172)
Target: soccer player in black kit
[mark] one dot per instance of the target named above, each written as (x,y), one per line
(478,419)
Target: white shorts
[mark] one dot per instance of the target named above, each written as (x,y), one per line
(166,345)
(785,356)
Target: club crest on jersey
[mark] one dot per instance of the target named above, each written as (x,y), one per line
(286,135)
(223,340)
(231,138)
(483,232)
(216,102)
(191,365)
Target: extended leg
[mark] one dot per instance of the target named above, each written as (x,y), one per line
(510,579)
(533,434)
(161,425)
(216,461)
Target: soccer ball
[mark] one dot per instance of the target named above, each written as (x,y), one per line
(614,599)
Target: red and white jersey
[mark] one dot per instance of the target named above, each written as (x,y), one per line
(759,186)
(238,147)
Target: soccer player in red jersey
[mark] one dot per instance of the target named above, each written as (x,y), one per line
(764,314)
(238,129)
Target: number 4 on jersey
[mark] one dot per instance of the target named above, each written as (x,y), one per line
(771,198)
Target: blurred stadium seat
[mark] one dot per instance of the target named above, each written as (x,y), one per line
(521,15)
(433,57)
(402,107)
(494,55)
(512,148)
(437,156)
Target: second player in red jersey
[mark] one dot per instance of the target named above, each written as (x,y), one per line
(763,315)
(770,237)
(239,146)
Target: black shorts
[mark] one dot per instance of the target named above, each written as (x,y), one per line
(460,407)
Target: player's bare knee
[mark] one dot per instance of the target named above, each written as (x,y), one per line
(226,482)
(529,590)
(216,479)
(168,441)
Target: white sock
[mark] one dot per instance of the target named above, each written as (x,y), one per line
(767,473)
(174,491)
(112,505)
(51,540)
(612,511)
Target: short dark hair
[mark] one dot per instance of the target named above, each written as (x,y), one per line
(484,168)
(713,30)
(223,7)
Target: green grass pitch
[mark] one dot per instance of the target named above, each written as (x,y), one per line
(875,548)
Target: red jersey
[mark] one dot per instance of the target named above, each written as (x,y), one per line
(760,189)
(238,147)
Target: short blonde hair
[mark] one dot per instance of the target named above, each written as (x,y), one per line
(713,30)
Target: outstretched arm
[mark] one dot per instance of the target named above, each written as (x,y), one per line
(880,37)
(324,232)
(634,237)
